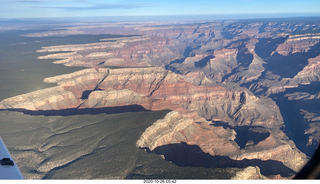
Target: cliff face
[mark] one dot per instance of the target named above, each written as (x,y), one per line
(310,72)
(54,98)
(268,144)
(195,119)
(175,128)
(298,43)
(130,52)
(154,89)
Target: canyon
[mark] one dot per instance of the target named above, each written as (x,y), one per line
(227,86)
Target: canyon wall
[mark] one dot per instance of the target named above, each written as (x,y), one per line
(197,111)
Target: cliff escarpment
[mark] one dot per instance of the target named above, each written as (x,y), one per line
(209,116)
(153,88)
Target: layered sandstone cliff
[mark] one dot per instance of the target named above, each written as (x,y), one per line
(310,72)
(298,43)
(196,109)
(157,87)
(220,141)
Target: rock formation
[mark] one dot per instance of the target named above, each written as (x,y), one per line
(298,43)
(154,89)
(249,173)
(224,82)
(157,89)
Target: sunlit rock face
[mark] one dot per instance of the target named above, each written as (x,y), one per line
(226,82)
(249,173)
(298,43)
(196,109)
(310,72)
(221,141)
(154,89)
(54,98)
(175,128)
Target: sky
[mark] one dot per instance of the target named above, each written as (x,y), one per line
(94,8)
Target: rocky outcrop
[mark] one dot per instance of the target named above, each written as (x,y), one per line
(310,72)
(54,98)
(298,43)
(175,128)
(219,141)
(286,152)
(222,64)
(130,52)
(249,173)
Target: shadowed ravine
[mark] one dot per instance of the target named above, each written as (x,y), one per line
(245,134)
(295,121)
(76,111)
(184,155)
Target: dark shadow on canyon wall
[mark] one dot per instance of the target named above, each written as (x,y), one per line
(244,59)
(76,111)
(284,66)
(172,67)
(184,155)
(294,120)
(266,46)
(203,62)
(86,93)
(246,135)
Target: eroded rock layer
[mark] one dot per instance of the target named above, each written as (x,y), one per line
(197,110)
(154,89)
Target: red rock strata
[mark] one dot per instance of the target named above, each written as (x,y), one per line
(157,89)
(298,43)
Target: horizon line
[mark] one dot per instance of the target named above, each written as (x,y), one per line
(227,16)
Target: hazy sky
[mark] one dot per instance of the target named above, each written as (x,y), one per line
(87,8)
